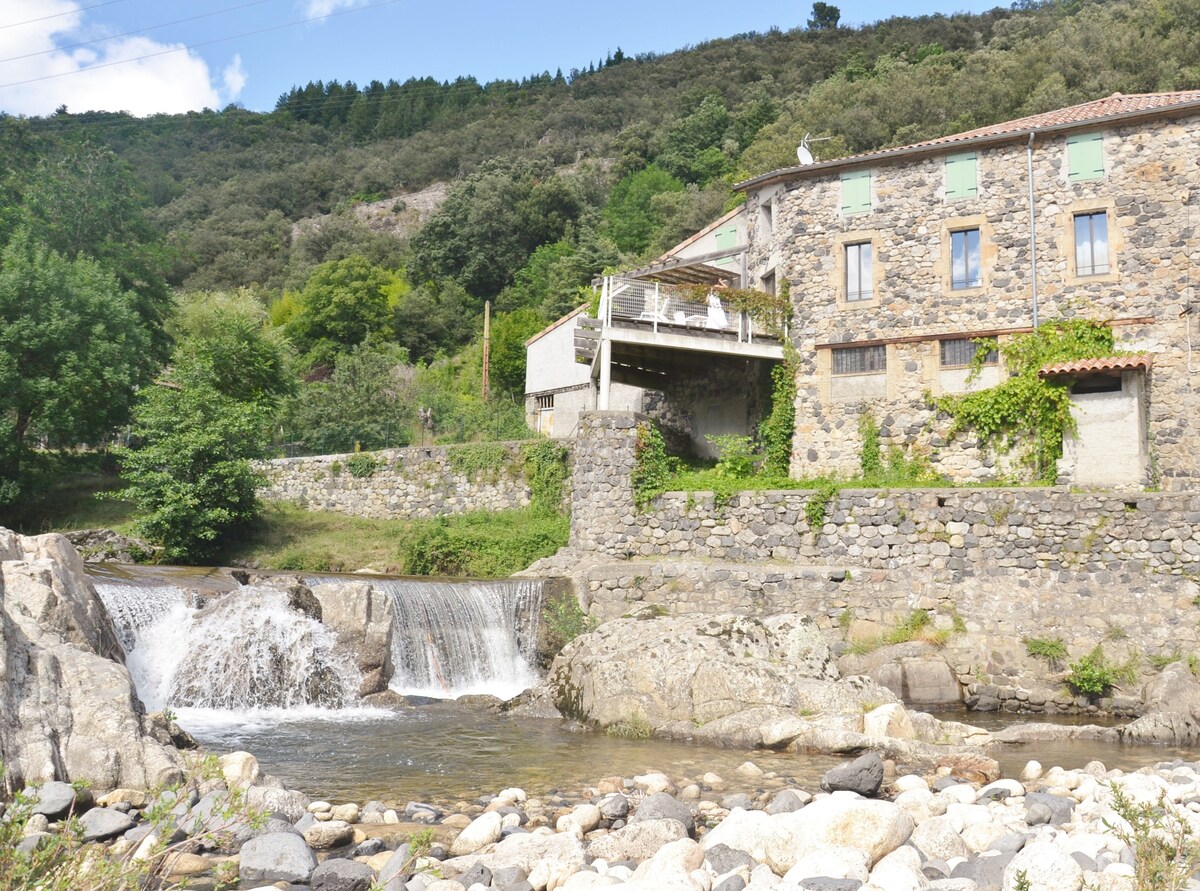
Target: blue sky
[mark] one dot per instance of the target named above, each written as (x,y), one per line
(82,54)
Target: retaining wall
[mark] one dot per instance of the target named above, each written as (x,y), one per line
(411,483)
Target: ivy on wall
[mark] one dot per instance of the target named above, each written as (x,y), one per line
(1026,412)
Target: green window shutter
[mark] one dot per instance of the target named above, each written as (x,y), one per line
(1085,157)
(962,178)
(856,192)
(727,239)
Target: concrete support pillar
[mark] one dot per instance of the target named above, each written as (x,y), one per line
(605,373)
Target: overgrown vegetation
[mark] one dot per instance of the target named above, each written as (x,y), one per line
(544,462)
(1166,852)
(1052,649)
(917,625)
(563,620)
(635,727)
(481,544)
(1027,412)
(1095,675)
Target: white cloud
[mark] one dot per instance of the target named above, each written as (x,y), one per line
(234,78)
(167,82)
(314,8)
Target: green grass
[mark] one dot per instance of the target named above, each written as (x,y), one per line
(480,545)
(64,495)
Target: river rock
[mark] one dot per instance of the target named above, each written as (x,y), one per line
(863,775)
(937,839)
(290,803)
(342,875)
(109,546)
(240,769)
(361,617)
(102,823)
(834,862)
(662,806)
(688,668)
(636,841)
(1046,867)
(329,834)
(276,857)
(484,830)
(70,712)
(53,799)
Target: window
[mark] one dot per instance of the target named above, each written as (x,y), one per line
(856,192)
(727,240)
(957,353)
(1085,157)
(962,179)
(859,280)
(767,283)
(964,259)
(860,360)
(1091,243)
(766,219)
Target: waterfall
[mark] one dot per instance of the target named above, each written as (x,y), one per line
(457,638)
(242,650)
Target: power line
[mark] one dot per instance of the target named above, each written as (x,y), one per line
(194,18)
(60,14)
(183,49)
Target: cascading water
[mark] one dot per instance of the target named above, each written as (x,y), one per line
(243,650)
(452,639)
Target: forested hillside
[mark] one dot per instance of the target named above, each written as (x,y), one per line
(552,179)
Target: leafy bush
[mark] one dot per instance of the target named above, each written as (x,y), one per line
(361,465)
(563,620)
(1166,851)
(736,455)
(653,467)
(1092,675)
(545,465)
(481,544)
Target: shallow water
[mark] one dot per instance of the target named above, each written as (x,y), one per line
(448,752)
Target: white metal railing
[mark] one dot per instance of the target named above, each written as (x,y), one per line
(663,307)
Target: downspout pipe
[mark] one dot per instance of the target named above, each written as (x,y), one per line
(1033,272)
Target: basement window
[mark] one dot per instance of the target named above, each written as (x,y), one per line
(860,360)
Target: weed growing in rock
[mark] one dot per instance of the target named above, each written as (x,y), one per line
(361,465)
(1052,649)
(1093,675)
(1165,849)
(637,727)
(1159,661)
(563,620)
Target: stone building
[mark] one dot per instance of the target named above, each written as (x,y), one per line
(898,259)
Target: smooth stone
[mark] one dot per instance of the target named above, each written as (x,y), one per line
(986,872)
(330,834)
(240,769)
(276,857)
(1060,806)
(830,862)
(342,875)
(662,806)
(722,859)
(1046,867)
(614,807)
(863,775)
(101,824)
(483,830)
(53,799)
(369,848)
(636,841)
(787,801)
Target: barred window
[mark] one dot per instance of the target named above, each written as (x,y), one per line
(545,401)
(962,352)
(860,360)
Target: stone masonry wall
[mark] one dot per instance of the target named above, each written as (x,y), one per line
(1150,194)
(959,530)
(407,483)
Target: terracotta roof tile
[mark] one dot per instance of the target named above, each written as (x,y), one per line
(1096,110)
(1091,366)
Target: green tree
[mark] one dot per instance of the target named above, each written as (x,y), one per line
(73,348)
(509,333)
(825,17)
(343,303)
(694,150)
(630,217)
(369,401)
(201,424)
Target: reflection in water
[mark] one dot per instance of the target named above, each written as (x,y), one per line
(447,752)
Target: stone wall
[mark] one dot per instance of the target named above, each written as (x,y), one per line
(1151,201)
(410,483)
(958,530)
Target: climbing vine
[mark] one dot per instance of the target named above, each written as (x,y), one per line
(1026,411)
(486,459)
(545,464)
(771,312)
(777,430)
(652,468)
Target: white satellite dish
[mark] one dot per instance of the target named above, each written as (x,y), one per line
(805,156)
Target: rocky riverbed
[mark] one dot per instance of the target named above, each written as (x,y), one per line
(957,829)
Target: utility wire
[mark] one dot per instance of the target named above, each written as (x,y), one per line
(193,18)
(60,14)
(183,49)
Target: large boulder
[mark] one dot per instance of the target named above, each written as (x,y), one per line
(1171,709)
(362,619)
(68,708)
(691,668)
